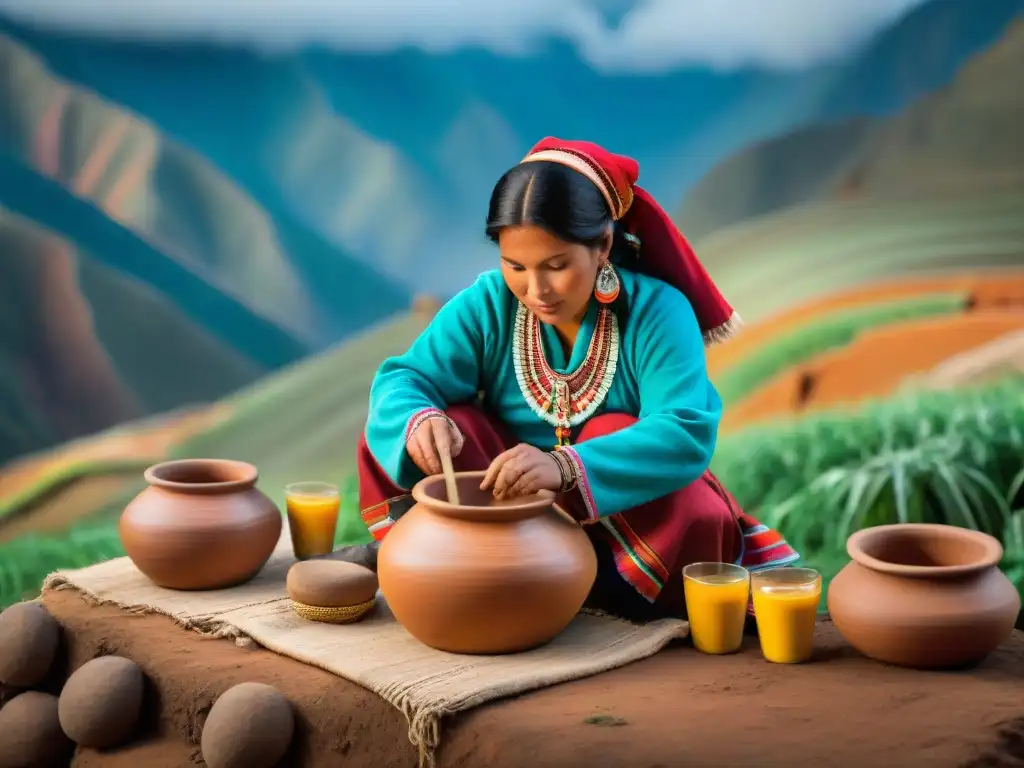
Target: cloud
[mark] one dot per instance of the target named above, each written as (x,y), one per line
(642,36)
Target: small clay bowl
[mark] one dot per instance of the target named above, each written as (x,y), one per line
(331,591)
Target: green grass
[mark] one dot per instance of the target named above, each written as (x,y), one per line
(823,333)
(952,457)
(27,560)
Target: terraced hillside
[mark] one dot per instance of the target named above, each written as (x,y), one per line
(867,342)
(841,215)
(302,422)
(876,363)
(887,246)
(769,264)
(983,289)
(815,283)
(822,334)
(49,490)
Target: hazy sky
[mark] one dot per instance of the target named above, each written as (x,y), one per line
(619,35)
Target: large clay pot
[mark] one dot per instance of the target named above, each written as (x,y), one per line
(925,596)
(201,524)
(485,576)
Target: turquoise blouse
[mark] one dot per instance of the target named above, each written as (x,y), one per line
(661,379)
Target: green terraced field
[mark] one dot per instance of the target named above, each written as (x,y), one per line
(829,331)
(49,483)
(771,263)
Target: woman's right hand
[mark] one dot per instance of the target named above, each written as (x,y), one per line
(432,436)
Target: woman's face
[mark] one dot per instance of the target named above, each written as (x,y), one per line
(553,278)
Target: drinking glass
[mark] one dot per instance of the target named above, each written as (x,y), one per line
(785,609)
(717,595)
(312,517)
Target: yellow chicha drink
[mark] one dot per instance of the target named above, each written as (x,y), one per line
(716,605)
(312,517)
(785,608)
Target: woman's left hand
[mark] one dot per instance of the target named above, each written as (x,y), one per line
(521,471)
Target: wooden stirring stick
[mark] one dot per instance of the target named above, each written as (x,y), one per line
(445,451)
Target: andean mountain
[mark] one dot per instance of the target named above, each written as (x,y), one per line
(392,156)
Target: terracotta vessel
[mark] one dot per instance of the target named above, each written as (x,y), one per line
(201,524)
(485,576)
(925,596)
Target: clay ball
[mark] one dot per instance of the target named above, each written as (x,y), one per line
(331,583)
(101,702)
(29,637)
(30,733)
(250,726)
(7,692)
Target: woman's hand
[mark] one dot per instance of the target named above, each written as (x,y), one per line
(432,436)
(521,471)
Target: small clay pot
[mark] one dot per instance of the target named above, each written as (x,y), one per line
(923,596)
(201,524)
(486,576)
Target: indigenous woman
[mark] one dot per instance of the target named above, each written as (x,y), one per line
(577,367)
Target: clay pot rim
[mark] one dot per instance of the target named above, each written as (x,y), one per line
(538,502)
(244,475)
(992,554)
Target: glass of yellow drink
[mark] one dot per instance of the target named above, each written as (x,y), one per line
(716,605)
(785,608)
(312,517)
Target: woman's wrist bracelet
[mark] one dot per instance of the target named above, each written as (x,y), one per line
(566,469)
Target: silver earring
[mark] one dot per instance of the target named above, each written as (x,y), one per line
(606,289)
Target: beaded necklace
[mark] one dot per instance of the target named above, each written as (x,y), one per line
(565,400)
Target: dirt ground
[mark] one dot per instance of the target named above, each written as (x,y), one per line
(677,708)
